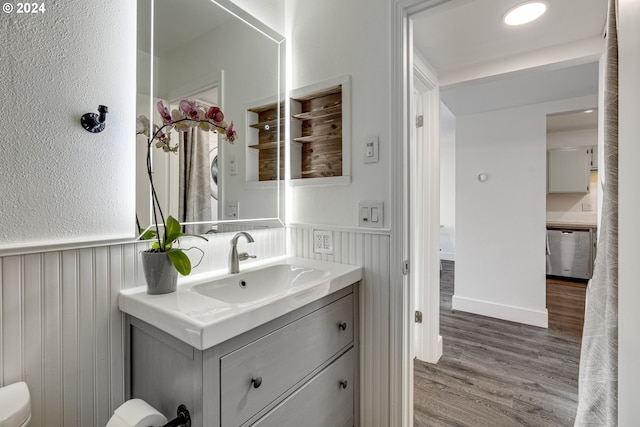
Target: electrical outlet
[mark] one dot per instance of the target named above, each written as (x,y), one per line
(322,242)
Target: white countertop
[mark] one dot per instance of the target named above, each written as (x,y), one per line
(203,322)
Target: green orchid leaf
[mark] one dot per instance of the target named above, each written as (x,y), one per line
(148,235)
(155,245)
(180,261)
(172,230)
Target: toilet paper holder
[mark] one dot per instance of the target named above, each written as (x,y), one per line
(182,420)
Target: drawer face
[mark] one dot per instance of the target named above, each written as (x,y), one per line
(281,359)
(322,402)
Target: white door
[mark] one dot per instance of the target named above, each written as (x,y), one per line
(424,213)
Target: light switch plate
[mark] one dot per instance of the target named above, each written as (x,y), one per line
(233,210)
(371,214)
(233,165)
(322,242)
(371,149)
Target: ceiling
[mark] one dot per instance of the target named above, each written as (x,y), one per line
(572,121)
(177,22)
(466,34)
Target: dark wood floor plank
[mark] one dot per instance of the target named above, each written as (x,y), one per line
(497,373)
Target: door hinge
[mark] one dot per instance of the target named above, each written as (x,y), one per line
(418,317)
(405,267)
(419,121)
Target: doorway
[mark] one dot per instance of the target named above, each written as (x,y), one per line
(406,12)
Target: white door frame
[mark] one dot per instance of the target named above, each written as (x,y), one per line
(401,327)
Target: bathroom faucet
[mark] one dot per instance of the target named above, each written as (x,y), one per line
(234,257)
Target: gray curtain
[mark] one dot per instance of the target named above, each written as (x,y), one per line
(195,188)
(598,381)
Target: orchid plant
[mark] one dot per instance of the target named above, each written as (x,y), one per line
(187,116)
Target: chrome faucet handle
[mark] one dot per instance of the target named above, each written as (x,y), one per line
(234,240)
(243,256)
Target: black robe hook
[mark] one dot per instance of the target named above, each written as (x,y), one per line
(93,122)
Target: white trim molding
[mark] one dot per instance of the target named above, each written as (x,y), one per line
(501,311)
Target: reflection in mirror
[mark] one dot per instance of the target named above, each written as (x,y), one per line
(217,55)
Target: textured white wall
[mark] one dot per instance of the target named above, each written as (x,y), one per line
(500,224)
(329,39)
(572,138)
(60,182)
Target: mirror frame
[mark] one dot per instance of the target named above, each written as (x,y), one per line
(280,97)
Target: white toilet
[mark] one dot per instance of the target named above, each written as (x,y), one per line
(15,405)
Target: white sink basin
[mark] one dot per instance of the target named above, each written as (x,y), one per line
(255,286)
(208,309)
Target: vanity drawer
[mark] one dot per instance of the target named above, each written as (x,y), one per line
(325,401)
(281,359)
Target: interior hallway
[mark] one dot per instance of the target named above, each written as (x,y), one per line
(498,373)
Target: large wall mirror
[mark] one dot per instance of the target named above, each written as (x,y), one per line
(214,53)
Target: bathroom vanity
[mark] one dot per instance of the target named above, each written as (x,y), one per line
(299,368)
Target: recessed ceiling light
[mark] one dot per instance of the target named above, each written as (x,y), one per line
(525,13)
(588,111)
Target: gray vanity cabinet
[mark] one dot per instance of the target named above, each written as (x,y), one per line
(297,370)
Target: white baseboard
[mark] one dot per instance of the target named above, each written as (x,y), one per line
(499,311)
(439,348)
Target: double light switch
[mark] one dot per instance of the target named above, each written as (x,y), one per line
(371,214)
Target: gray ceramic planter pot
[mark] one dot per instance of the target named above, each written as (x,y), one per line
(160,274)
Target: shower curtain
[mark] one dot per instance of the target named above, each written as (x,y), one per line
(194,187)
(598,380)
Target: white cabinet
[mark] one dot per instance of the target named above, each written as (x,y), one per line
(568,170)
(297,370)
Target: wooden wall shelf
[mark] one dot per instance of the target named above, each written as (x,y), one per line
(267,145)
(318,118)
(329,113)
(268,120)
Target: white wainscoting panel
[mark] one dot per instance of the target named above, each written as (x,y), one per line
(371,251)
(62,331)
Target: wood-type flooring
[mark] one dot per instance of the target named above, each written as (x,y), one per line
(495,373)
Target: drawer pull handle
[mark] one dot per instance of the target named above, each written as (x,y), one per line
(342,326)
(257,382)
(344,384)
